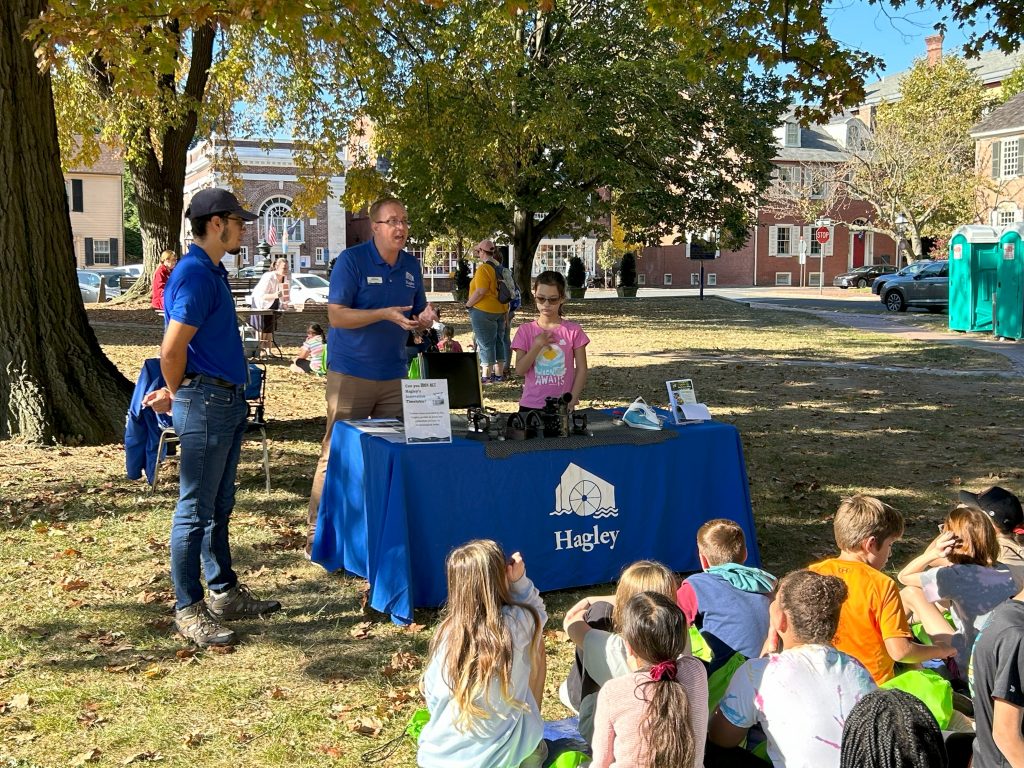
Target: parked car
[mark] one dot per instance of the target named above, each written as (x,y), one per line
(911,269)
(308,289)
(862,277)
(133,270)
(928,288)
(89,285)
(256,270)
(111,280)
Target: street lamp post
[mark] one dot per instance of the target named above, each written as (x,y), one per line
(901,231)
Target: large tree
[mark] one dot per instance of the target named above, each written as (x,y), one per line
(821,72)
(153,77)
(56,385)
(511,122)
(917,170)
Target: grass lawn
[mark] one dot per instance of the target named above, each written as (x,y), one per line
(91,675)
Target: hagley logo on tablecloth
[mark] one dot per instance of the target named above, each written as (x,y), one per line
(585,494)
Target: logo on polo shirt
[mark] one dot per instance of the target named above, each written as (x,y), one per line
(410,281)
(585,495)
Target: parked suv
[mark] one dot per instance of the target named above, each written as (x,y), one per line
(928,288)
(911,269)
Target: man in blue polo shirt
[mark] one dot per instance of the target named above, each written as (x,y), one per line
(376,297)
(203,364)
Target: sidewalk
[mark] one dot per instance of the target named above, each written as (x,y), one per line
(893,323)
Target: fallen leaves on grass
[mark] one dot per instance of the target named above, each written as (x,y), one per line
(89,756)
(90,716)
(221,650)
(403,695)
(162,624)
(194,739)
(361,631)
(365,726)
(73,585)
(277,694)
(147,597)
(20,701)
(154,672)
(143,757)
(331,751)
(69,552)
(403,661)
(413,628)
(184,654)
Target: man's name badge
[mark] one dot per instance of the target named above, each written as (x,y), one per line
(374,280)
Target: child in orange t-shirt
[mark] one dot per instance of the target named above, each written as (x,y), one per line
(873,626)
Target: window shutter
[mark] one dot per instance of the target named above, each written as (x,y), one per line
(88,252)
(1020,157)
(113,251)
(76,195)
(826,249)
(997,153)
(773,241)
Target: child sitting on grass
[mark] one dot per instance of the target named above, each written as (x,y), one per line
(802,691)
(658,714)
(873,626)
(958,567)
(728,601)
(593,625)
(484,680)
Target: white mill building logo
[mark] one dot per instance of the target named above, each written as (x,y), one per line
(584,494)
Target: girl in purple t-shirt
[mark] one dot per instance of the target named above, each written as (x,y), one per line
(550,352)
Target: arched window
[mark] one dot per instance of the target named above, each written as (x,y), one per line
(276,214)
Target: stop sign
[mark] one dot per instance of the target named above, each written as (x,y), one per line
(821,235)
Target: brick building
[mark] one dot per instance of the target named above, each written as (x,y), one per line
(999,152)
(270,181)
(771,256)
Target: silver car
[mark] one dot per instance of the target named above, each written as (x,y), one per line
(89,285)
(928,288)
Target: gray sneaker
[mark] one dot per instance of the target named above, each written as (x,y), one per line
(240,603)
(196,624)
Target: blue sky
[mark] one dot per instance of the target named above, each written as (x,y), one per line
(897,37)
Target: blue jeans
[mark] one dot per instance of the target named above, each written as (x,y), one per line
(210,422)
(489,330)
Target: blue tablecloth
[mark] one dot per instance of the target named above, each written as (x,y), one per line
(391,512)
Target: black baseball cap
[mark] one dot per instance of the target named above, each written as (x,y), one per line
(207,202)
(999,504)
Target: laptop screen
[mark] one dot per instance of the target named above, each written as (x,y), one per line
(462,372)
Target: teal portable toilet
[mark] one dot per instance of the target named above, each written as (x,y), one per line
(974,254)
(1009,311)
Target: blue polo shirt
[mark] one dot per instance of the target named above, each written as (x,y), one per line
(361,279)
(197,294)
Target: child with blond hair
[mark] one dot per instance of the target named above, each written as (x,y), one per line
(873,626)
(593,625)
(484,679)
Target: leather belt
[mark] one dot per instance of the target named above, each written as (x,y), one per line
(204,378)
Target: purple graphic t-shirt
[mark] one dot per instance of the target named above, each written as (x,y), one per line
(554,370)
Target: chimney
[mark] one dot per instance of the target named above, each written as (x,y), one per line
(933,45)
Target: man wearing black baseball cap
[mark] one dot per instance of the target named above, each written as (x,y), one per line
(1004,509)
(203,365)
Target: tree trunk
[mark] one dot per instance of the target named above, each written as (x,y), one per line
(56,385)
(160,180)
(526,236)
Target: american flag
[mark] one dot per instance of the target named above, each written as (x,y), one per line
(271,234)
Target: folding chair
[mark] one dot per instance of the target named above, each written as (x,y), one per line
(255,422)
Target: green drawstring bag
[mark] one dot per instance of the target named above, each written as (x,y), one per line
(570,760)
(419,719)
(698,648)
(917,629)
(931,688)
(414,368)
(719,681)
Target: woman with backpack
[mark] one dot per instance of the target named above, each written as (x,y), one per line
(489,297)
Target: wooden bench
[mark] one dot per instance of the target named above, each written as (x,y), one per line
(126,282)
(241,288)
